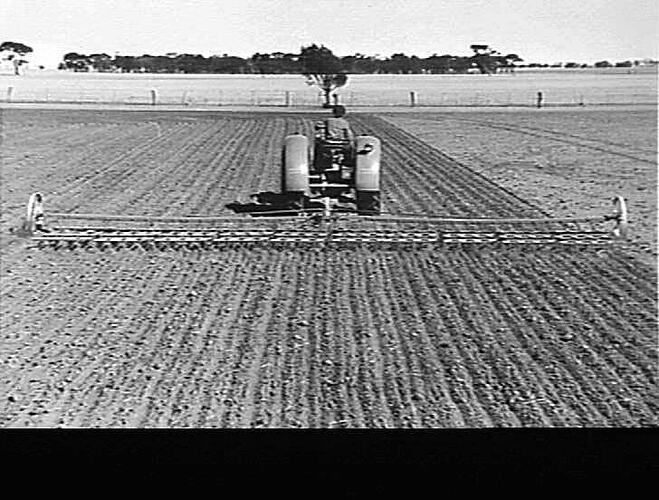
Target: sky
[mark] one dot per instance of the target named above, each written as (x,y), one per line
(544,31)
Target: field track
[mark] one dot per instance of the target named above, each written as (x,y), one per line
(471,337)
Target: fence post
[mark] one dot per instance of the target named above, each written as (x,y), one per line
(412,99)
(154,97)
(288,98)
(10,91)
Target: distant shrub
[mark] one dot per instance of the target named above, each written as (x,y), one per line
(624,64)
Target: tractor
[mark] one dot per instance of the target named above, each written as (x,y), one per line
(335,171)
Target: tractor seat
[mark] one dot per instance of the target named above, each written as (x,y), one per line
(322,136)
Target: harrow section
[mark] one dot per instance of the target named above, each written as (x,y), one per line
(220,237)
(312,228)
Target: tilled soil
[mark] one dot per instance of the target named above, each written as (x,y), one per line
(261,338)
(251,337)
(569,162)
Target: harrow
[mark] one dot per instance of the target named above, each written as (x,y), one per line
(314,227)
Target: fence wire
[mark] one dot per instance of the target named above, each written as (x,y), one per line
(285,98)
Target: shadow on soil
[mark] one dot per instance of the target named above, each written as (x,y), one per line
(268,202)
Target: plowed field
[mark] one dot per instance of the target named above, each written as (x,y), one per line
(471,337)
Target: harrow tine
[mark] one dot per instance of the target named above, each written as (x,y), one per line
(340,233)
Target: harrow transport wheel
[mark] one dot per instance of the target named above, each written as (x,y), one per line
(622,226)
(34,219)
(295,165)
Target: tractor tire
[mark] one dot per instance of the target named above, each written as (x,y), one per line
(295,165)
(368,203)
(367,163)
(367,175)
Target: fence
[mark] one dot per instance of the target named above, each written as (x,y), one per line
(287,98)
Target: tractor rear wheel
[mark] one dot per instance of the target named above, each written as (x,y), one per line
(295,165)
(367,175)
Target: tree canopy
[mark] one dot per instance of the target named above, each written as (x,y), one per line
(19,48)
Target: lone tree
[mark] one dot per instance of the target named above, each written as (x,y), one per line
(322,68)
(485,58)
(16,53)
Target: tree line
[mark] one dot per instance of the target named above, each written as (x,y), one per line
(484,59)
